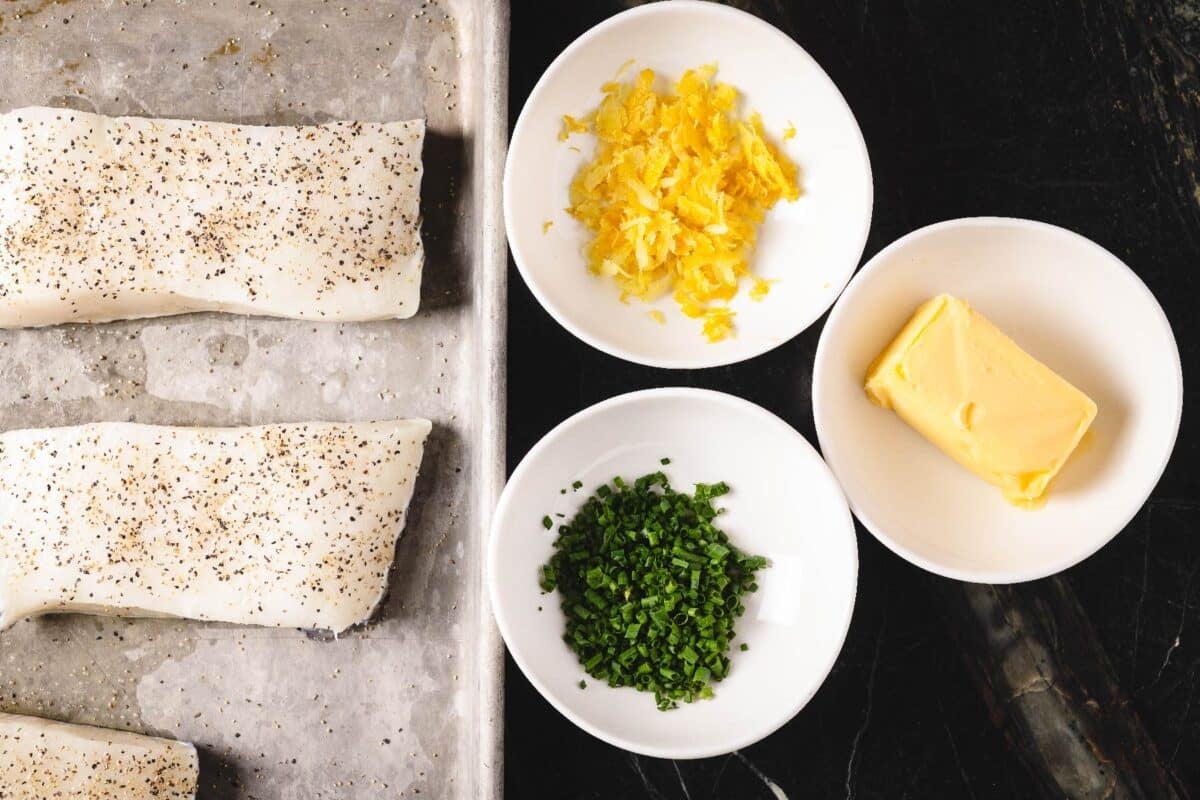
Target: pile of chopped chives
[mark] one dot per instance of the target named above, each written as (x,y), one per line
(651,587)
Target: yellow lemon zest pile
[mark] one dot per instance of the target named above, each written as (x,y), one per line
(675,192)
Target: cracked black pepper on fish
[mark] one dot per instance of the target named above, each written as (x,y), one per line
(41,758)
(280,525)
(119,217)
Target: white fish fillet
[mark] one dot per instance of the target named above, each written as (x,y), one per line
(41,759)
(116,217)
(280,525)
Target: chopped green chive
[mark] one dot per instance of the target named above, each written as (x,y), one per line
(651,587)
(547,523)
(664,461)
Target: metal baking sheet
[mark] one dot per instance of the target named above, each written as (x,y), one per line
(410,703)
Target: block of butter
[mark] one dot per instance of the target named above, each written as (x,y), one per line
(969,389)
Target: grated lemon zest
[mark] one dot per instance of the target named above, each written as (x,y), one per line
(675,192)
(760,289)
(571,125)
(547,225)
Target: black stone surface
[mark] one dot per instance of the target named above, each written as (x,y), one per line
(1084,114)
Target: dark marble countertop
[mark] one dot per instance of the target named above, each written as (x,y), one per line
(1084,114)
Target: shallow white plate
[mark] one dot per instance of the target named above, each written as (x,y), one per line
(812,246)
(784,505)
(1069,303)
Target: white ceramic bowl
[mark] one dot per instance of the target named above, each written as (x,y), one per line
(812,246)
(1068,302)
(784,505)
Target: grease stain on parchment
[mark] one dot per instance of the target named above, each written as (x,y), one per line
(244,694)
(283,370)
(229,47)
(79,668)
(39,367)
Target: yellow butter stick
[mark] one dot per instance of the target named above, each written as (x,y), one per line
(959,381)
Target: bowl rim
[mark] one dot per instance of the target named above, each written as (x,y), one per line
(704,359)
(874,264)
(495,592)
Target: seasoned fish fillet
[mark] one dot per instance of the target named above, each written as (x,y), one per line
(281,525)
(115,217)
(41,759)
